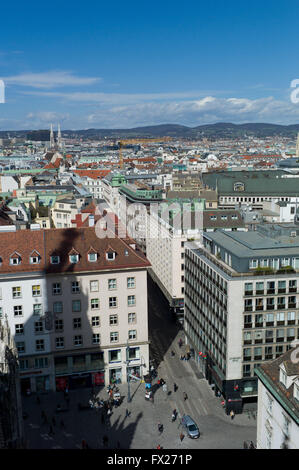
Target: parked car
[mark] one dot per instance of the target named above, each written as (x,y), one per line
(190,426)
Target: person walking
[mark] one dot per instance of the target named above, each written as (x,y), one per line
(182,437)
(185,396)
(232,414)
(160,428)
(175,387)
(127,413)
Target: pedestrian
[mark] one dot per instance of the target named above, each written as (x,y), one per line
(54,421)
(159,447)
(83,444)
(185,396)
(160,428)
(62,426)
(175,387)
(232,414)
(109,412)
(245,445)
(127,413)
(251,445)
(182,437)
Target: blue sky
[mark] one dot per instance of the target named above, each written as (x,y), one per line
(126,64)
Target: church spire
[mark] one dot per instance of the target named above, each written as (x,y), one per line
(59,143)
(52,140)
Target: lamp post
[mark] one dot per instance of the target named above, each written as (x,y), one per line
(128,378)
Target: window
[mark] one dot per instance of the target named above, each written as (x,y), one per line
(110,256)
(92,257)
(280,335)
(285,262)
(16,292)
(34,259)
(130,282)
(19,329)
(54,259)
(78,340)
(131,300)
(246,370)
(248,288)
(132,335)
(269,336)
(264,263)
(74,259)
(114,337)
(281,302)
(56,288)
(20,345)
(248,305)
(270,319)
(290,334)
(96,338)
(293,286)
(247,321)
(75,287)
(77,323)
(247,354)
(114,355)
(113,319)
(111,284)
(15,260)
(37,309)
(76,305)
(282,287)
(259,304)
(270,287)
(18,310)
(36,292)
(291,317)
(39,345)
(134,353)
(57,307)
(95,321)
(280,318)
(292,301)
(38,326)
(259,288)
(247,337)
(94,286)
(253,263)
(112,302)
(24,364)
(131,317)
(59,325)
(94,304)
(41,362)
(270,303)
(1,312)
(59,342)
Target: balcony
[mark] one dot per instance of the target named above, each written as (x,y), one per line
(293,289)
(247,325)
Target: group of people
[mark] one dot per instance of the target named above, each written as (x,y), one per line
(185,357)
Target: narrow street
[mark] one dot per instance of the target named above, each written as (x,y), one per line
(201,405)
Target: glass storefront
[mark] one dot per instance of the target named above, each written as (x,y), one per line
(115,376)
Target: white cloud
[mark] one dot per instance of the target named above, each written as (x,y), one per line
(50,79)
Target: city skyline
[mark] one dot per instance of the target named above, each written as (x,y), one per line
(128,66)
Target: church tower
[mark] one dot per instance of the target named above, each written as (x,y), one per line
(52,140)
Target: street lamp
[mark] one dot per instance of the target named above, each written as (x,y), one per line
(128,378)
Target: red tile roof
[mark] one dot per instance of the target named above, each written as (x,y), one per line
(60,242)
(95,174)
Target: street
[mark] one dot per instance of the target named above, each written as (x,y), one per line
(140,429)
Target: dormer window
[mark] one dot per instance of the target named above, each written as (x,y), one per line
(74,259)
(35,257)
(110,256)
(55,259)
(15,259)
(92,257)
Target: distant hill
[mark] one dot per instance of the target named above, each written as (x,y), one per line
(211,131)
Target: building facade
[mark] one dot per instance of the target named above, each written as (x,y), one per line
(241,306)
(77,306)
